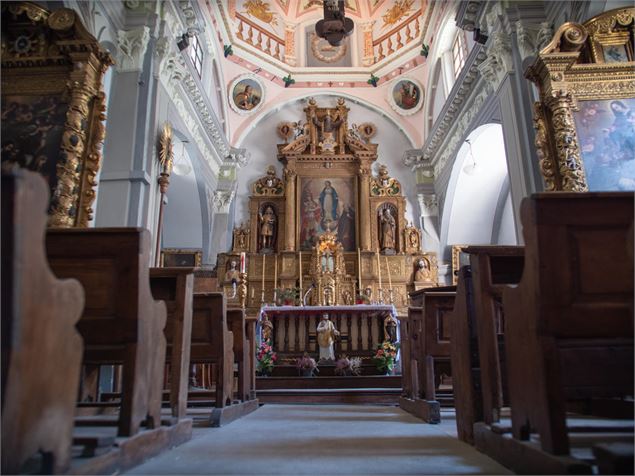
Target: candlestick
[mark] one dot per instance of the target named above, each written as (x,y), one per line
(388,271)
(262,296)
(242,262)
(379,268)
(359,271)
(300,269)
(275,280)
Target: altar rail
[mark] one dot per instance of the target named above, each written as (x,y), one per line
(361,328)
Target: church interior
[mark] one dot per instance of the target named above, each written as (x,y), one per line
(317,236)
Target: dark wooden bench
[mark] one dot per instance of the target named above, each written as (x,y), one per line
(242,352)
(478,353)
(41,348)
(175,287)
(212,343)
(428,333)
(569,323)
(121,322)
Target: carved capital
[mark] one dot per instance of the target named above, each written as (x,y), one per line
(132,46)
(532,37)
(222,200)
(429,204)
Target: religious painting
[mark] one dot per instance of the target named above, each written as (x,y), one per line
(405,96)
(32,128)
(246,94)
(606,133)
(180,258)
(615,54)
(327,204)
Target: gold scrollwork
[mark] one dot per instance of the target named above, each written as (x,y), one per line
(269,185)
(545,161)
(384,185)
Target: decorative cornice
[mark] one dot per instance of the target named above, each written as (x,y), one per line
(499,60)
(468,13)
(132,46)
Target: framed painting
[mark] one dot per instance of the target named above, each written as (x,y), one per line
(246,94)
(327,203)
(405,96)
(585,119)
(180,258)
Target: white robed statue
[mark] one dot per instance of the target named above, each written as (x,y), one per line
(326,334)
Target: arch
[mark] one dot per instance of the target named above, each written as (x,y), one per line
(474,211)
(270,109)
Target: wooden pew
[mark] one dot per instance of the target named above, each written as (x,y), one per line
(41,348)
(242,348)
(569,329)
(212,343)
(121,323)
(477,330)
(428,331)
(406,357)
(175,287)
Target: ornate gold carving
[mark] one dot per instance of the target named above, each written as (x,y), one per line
(412,239)
(269,185)
(37,44)
(166,154)
(242,290)
(241,238)
(367,130)
(400,9)
(384,185)
(545,161)
(260,10)
(566,142)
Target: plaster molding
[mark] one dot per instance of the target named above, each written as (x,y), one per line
(132,46)
(467,16)
(499,60)
(532,37)
(429,204)
(222,200)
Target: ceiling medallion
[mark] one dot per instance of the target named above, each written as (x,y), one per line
(335,26)
(246,94)
(326,52)
(405,95)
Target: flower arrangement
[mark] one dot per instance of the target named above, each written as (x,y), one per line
(348,366)
(266,359)
(306,365)
(288,296)
(385,356)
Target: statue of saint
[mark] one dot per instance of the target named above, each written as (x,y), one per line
(390,329)
(267,227)
(328,128)
(423,270)
(232,273)
(326,334)
(387,223)
(266,329)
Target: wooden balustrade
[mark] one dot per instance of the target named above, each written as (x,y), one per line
(258,37)
(397,38)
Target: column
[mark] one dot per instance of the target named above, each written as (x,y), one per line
(289,44)
(221,203)
(429,206)
(289,190)
(364,205)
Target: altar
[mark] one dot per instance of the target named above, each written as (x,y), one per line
(328,232)
(292,329)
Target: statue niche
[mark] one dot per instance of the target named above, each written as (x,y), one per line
(268,228)
(328,272)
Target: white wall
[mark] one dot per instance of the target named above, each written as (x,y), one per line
(261,143)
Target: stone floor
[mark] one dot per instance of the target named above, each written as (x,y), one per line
(325,440)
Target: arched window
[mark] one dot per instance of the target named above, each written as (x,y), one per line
(196,55)
(459,53)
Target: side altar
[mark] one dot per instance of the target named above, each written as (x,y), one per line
(328,232)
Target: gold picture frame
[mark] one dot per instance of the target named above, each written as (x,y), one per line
(181,258)
(53,111)
(575,82)
(457,261)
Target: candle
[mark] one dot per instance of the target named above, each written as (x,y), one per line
(242,262)
(300,271)
(263,279)
(275,278)
(359,271)
(378,268)
(388,271)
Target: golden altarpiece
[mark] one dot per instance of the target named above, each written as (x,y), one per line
(329,217)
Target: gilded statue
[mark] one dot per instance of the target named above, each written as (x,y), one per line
(423,272)
(387,226)
(390,329)
(328,128)
(326,334)
(232,273)
(267,228)
(266,329)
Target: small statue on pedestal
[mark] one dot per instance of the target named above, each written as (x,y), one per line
(266,327)
(390,329)
(232,275)
(387,222)
(267,228)
(326,334)
(423,270)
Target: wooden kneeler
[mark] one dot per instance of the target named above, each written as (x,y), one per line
(41,348)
